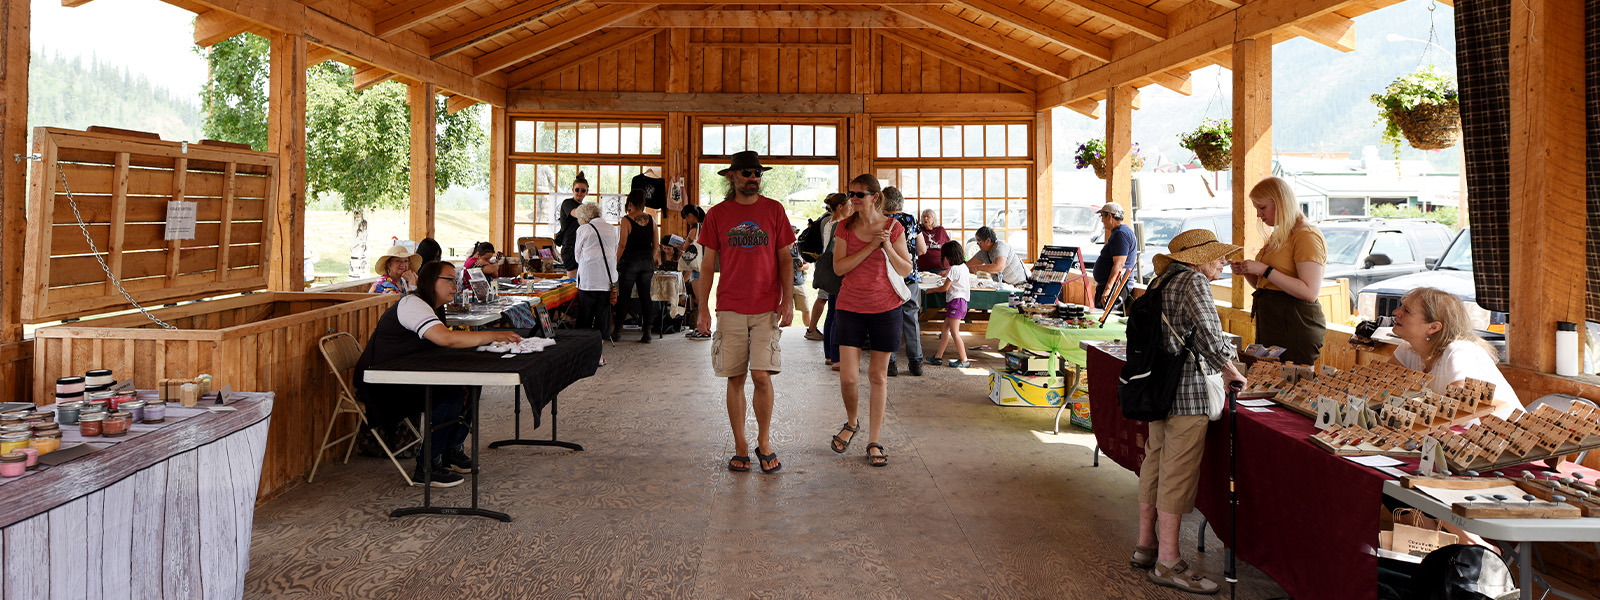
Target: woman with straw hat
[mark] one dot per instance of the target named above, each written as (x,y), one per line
(1170,475)
(392,273)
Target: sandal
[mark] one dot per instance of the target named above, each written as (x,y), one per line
(1144,557)
(877,460)
(739,463)
(766,458)
(840,445)
(1178,577)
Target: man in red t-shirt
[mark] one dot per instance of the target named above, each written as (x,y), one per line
(747,237)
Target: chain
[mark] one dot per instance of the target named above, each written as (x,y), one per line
(96,251)
(1433,35)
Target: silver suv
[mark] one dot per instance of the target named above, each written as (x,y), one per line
(1366,250)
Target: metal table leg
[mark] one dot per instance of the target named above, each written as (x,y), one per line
(427,507)
(519,441)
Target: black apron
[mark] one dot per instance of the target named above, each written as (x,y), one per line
(1291,323)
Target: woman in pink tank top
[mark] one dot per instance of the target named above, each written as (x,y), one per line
(868,246)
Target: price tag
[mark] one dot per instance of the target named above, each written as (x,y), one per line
(1430,457)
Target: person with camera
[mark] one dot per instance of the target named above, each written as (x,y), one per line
(595,249)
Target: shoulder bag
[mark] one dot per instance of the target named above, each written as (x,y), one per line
(825,278)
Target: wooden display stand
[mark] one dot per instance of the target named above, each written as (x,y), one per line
(1527,437)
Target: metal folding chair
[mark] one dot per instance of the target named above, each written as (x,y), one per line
(341,350)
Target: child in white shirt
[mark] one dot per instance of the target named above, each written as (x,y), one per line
(958,290)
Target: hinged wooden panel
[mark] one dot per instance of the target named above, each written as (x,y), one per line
(119,187)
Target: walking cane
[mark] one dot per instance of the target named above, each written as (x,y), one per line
(1231,574)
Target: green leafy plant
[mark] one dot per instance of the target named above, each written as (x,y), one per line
(1425,89)
(1212,133)
(1093,152)
(1447,215)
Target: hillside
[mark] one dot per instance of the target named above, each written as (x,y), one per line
(76,92)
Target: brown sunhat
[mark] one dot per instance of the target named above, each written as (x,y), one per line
(744,160)
(1194,247)
(381,265)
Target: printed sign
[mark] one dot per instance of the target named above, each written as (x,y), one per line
(181,219)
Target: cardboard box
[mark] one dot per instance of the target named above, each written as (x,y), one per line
(1006,389)
(1080,408)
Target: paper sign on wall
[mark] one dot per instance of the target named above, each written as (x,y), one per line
(180,220)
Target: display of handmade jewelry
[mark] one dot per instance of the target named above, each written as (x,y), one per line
(1546,432)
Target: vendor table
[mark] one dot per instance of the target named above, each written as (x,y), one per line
(542,375)
(981,299)
(166,513)
(478,315)
(1012,327)
(1515,536)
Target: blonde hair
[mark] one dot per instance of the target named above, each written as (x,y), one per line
(1438,306)
(1286,213)
(586,212)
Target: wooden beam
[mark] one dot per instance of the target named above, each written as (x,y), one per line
(992,41)
(286,16)
(1257,19)
(770,19)
(286,135)
(459,103)
(1086,107)
(1040,230)
(949,103)
(424,122)
(549,39)
(587,49)
(366,77)
(954,52)
(1330,30)
(1119,147)
(1177,81)
(1252,143)
(494,25)
(689,102)
(214,26)
(15,34)
(1090,45)
(840,3)
(74,3)
(406,15)
(1135,17)
(320,54)
(500,207)
(678,63)
(1548,211)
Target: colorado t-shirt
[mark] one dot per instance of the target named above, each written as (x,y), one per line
(747,239)
(1120,243)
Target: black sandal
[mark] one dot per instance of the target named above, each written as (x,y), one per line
(877,460)
(840,445)
(766,458)
(738,458)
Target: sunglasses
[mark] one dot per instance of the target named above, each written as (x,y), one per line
(859,194)
(580,190)
(756,173)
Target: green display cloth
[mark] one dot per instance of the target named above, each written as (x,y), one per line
(1011,327)
(981,299)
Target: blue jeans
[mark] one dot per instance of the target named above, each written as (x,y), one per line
(830,348)
(449,402)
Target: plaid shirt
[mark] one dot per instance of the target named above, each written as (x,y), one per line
(1187,306)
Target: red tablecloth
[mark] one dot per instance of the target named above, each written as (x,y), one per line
(1306,517)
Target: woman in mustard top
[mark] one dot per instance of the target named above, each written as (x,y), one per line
(1287,274)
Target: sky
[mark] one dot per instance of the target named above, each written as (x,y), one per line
(149,37)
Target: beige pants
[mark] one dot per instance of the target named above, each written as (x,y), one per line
(1170,476)
(743,343)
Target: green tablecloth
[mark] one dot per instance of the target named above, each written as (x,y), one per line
(1011,327)
(981,299)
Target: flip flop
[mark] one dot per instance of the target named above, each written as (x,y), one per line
(877,460)
(766,458)
(739,458)
(840,445)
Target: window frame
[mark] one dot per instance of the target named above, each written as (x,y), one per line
(516,218)
(1026,161)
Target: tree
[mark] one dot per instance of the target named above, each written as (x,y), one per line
(357,143)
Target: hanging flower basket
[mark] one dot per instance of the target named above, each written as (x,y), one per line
(1093,154)
(1429,126)
(1099,165)
(1423,107)
(1212,143)
(1214,158)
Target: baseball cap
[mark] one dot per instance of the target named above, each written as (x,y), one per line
(1111,208)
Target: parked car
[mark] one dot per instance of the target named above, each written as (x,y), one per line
(1160,226)
(1451,273)
(1366,250)
(1074,225)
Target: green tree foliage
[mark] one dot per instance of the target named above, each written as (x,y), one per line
(77,92)
(1443,214)
(234,99)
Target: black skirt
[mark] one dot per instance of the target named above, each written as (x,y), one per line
(1291,323)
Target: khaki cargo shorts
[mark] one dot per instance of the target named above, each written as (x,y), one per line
(744,343)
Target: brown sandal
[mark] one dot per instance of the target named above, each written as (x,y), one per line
(877,460)
(1178,577)
(840,445)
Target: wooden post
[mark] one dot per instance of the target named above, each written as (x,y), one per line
(678,61)
(500,208)
(677,155)
(1119,147)
(286,135)
(14,55)
(1547,178)
(424,124)
(1039,229)
(1252,143)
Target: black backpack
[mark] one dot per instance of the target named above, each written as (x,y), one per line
(810,241)
(1149,380)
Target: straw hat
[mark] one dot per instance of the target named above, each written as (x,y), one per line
(1194,247)
(381,266)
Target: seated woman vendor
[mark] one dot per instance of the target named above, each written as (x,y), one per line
(395,276)
(1438,340)
(416,324)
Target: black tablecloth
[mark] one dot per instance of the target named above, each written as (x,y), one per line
(575,355)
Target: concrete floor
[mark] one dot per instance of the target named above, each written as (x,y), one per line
(978,501)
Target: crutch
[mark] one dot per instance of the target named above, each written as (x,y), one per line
(1230,573)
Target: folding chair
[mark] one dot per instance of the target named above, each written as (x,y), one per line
(341,351)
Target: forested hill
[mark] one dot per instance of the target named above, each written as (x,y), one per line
(76,92)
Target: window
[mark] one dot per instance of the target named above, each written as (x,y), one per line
(972,174)
(1432,242)
(1393,244)
(803,157)
(549,153)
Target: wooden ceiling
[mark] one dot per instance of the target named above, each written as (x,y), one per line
(1066,53)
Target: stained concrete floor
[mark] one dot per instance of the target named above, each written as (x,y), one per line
(978,501)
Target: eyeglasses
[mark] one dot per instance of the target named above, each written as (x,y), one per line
(756,173)
(859,194)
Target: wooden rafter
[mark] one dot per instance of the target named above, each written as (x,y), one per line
(961,55)
(773,19)
(345,35)
(1128,14)
(550,38)
(1177,81)
(990,40)
(406,15)
(320,54)
(214,26)
(1329,30)
(494,25)
(366,77)
(458,103)
(1090,45)
(587,48)
(1086,107)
